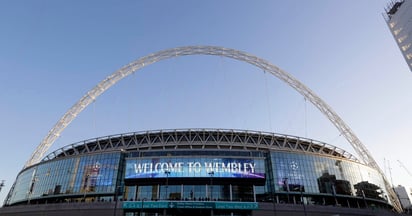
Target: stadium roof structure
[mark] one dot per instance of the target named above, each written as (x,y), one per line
(202,139)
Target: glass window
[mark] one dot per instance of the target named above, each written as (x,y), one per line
(319,174)
(76,175)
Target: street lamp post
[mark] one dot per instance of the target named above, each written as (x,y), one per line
(167,172)
(86,186)
(33,181)
(285,182)
(303,201)
(211,174)
(273,202)
(141,208)
(334,193)
(364,199)
(116,192)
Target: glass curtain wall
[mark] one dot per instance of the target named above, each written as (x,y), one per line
(295,172)
(78,176)
(191,192)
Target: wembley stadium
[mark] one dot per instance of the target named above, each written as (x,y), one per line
(200,171)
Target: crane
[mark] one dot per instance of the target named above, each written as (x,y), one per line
(1,184)
(404,167)
(387,166)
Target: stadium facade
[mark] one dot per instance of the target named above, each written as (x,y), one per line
(198,171)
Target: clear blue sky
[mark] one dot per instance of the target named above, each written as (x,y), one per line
(53,52)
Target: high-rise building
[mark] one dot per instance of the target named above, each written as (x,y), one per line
(398,16)
(403,196)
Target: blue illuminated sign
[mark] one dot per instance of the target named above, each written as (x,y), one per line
(190,205)
(190,167)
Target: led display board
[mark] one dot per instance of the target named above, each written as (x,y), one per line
(194,167)
(190,205)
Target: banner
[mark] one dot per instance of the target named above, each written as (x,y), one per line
(195,167)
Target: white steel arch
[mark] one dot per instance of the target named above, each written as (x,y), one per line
(90,96)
